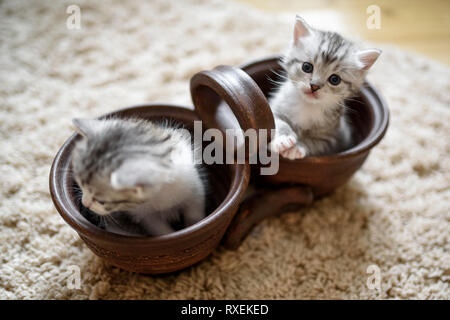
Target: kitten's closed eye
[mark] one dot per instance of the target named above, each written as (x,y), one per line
(100,202)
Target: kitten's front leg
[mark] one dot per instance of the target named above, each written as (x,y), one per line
(155,225)
(286,142)
(298,151)
(194,210)
(285,138)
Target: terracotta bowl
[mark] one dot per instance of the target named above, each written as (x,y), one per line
(161,254)
(299,181)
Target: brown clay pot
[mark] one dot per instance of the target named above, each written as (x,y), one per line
(161,254)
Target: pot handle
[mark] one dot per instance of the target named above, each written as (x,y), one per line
(226,97)
(261,205)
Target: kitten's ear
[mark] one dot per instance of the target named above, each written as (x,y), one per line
(86,127)
(301,29)
(137,174)
(367,58)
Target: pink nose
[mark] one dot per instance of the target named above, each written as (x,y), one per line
(314,87)
(86,203)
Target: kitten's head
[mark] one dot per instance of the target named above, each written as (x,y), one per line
(325,67)
(116,166)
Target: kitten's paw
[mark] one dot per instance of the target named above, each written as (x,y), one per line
(282,143)
(296,152)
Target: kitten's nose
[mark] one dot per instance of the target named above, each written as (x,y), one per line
(86,202)
(314,87)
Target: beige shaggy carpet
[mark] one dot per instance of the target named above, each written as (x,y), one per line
(393,214)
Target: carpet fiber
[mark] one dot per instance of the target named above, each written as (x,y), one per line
(393,214)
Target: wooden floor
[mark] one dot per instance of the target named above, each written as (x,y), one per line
(420,25)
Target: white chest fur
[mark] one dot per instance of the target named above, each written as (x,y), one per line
(290,103)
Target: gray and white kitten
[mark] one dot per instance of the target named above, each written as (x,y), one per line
(323,69)
(141,168)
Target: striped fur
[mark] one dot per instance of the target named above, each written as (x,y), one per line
(140,168)
(314,122)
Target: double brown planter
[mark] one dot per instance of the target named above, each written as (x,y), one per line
(225,97)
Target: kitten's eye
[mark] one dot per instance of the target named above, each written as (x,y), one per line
(307,67)
(334,79)
(100,202)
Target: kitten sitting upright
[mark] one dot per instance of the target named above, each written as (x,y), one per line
(142,169)
(323,69)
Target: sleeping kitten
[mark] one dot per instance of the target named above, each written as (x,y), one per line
(140,168)
(323,69)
